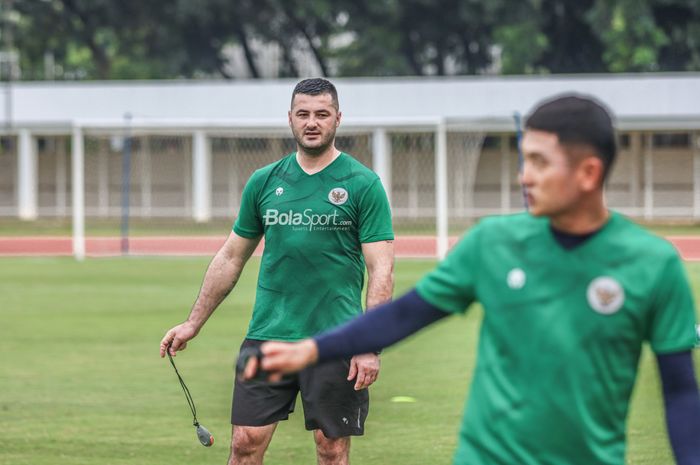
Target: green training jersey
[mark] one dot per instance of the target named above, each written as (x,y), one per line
(312,269)
(561,335)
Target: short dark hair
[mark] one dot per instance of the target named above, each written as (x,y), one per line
(317,86)
(578,120)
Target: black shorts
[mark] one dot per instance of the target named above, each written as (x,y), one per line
(330,401)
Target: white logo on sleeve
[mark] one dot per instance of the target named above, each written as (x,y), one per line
(338,196)
(279,191)
(516,278)
(605,295)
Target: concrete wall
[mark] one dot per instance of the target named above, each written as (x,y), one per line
(482,173)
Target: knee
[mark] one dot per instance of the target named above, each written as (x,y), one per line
(331,450)
(247,443)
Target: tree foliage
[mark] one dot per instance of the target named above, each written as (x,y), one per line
(130,39)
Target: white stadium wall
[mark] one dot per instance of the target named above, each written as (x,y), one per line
(194,145)
(161,174)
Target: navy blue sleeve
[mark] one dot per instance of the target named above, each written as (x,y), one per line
(682,402)
(378,328)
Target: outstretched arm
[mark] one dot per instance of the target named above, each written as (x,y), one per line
(373,331)
(682,402)
(221,277)
(378,329)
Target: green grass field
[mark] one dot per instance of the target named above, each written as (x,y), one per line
(81,381)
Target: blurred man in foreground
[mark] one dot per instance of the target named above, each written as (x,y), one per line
(570,291)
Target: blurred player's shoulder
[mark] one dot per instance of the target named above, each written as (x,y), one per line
(622,236)
(630,237)
(517,227)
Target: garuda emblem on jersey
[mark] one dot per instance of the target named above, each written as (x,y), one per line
(338,196)
(605,295)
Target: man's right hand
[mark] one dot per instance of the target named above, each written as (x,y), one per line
(283,357)
(177,338)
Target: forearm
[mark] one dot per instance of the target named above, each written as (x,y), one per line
(380,288)
(380,328)
(219,280)
(682,402)
(380,273)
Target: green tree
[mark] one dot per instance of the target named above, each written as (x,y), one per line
(130,39)
(649,35)
(572,43)
(102,39)
(420,37)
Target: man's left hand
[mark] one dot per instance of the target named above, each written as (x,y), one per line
(364,369)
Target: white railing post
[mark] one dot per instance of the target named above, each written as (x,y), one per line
(78,186)
(61,178)
(505,173)
(27,176)
(695,144)
(381,159)
(441,188)
(201,177)
(635,169)
(649,177)
(146,178)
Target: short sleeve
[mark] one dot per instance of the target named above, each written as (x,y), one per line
(248,223)
(673,319)
(375,215)
(451,286)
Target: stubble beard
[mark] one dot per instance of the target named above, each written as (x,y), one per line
(316,150)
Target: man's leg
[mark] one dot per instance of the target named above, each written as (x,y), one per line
(332,451)
(256,409)
(249,443)
(333,410)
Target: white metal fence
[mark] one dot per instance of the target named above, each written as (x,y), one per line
(439,175)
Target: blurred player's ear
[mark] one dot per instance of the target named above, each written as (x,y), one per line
(590,173)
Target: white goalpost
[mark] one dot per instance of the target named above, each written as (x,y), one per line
(389,144)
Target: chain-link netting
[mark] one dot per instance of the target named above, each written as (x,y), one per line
(413,182)
(234,159)
(54,176)
(625,181)
(159,181)
(653,176)
(357,145)
(155,198)
(673,176)
(467,179)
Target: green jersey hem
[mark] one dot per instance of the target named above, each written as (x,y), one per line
(246,234)
(287,338)
(670,349)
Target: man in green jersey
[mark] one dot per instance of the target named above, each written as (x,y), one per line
(324,216)
(570,291)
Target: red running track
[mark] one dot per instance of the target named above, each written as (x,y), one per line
(405,246)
